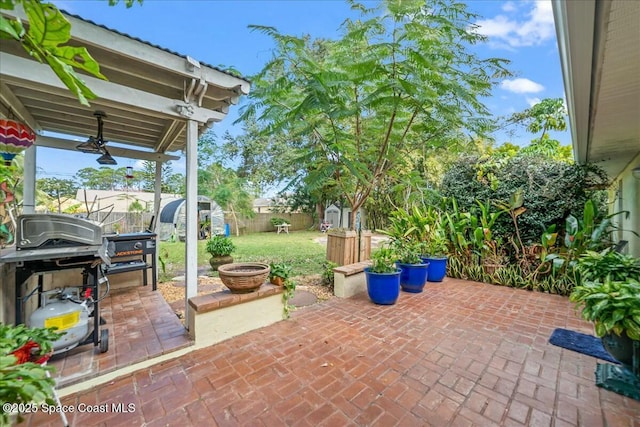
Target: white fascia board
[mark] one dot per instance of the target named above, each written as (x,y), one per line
(87,33)
(17,68)
(68,144)
(574,22)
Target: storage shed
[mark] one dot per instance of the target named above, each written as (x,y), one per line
(332,216)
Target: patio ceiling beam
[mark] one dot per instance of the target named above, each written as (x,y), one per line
(169,135)
(11,101)
(80,116)
(16,69)
(67,144)
(88,33)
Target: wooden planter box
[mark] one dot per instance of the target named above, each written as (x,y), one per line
(343,247)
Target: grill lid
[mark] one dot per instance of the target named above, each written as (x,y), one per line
(54,231)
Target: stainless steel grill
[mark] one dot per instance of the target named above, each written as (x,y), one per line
(51,242)
(39,231)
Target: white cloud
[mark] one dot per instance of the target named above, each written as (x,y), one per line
(521,86)
(507,31)
(509,7)
(533,101)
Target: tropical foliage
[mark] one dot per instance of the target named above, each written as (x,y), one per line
(551,190)
(384,260)
(613,306)
(353,109)
(23,379)
(609,291)
(45,38)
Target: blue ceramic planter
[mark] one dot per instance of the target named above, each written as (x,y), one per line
(383,288)
(413,277)
(437,268)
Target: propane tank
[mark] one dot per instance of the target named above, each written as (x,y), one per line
(69,317)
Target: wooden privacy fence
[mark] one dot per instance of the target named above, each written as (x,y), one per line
(130,222)
(343,246)
(262,222)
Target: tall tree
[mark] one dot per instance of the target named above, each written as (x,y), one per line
(175,184)
(59,190)
(147,177)
(354,108)
(234,194)
(547,115)
(103,178)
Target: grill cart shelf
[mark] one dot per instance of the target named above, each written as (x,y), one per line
(132,252)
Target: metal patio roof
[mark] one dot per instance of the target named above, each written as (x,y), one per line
(150,94)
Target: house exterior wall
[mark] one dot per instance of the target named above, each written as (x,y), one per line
(625,195)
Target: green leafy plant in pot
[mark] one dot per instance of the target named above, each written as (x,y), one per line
(612,303)
(280,275)
(220,249)
(436,249)
(383,277)
(280,272)
(414,270)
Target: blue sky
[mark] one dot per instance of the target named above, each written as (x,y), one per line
(216,32)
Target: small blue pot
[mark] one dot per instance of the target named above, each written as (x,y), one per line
(413,277)
(437,268)
(383,288)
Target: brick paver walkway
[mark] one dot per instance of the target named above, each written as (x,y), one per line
(459,354)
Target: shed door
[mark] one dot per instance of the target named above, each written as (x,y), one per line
(333,217)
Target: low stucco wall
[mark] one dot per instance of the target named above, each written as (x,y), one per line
(219,316)
(350,280)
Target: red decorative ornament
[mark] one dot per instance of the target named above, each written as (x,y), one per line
(14,138)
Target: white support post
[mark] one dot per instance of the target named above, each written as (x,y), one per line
(157,187)
(191,238)
(29,205)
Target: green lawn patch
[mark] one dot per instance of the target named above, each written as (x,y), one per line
(296,248)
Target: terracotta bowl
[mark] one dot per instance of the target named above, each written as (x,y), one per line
(243,277)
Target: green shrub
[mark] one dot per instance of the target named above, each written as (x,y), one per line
(552,190)
(612,306)
(384,260)
(220,246)
(327,273)
(597,266)
(275,221)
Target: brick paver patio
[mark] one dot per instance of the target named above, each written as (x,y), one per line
(459,354)
(141,326)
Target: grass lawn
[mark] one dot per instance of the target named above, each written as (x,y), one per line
(296,248)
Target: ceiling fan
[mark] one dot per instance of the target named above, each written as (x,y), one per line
(97,144)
